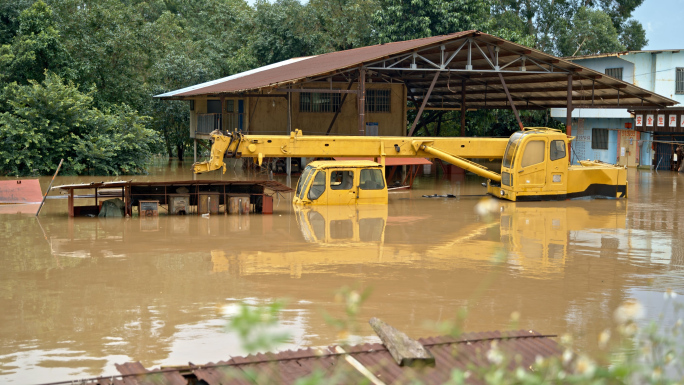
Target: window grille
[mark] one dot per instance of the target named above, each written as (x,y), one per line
(378,100)
(599,139)
(318,102)
(614,72)
(679,83)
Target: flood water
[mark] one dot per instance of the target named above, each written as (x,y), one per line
(78,295)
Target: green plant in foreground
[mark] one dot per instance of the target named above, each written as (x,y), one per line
(254,326)
(634,353)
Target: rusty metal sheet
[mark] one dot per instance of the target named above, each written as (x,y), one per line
(20,191)
(543,90)
(288,367)
(312,66)
(134,373)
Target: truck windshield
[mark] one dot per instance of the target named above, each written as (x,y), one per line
(509,155)
(303,181)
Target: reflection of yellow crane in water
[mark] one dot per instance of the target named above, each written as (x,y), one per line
(535,238)
(539,236)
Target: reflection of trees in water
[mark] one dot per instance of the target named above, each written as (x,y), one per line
(164,278)
(139,299)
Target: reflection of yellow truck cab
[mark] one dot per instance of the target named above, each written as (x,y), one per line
(342,224)
(341,183)
(536,164)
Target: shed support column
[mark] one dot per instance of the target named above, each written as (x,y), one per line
(71,202)
(223,114)
(568,123)
(510,101)
(463,106)
(344,97)
(362,101)
(422,105)
(495,58)
(288,163)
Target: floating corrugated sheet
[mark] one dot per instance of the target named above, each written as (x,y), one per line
(370,363)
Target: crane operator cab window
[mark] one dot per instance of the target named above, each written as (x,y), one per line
(341,180)
(557,149)
(371,179)
(304,182)
(534,153)
(317,186)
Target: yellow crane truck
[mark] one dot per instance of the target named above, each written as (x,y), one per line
(535,164)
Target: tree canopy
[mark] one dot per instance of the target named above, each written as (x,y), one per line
(109,57)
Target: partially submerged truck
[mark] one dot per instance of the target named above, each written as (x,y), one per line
(535,164)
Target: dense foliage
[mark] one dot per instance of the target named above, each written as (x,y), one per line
(46,121)
(115,55)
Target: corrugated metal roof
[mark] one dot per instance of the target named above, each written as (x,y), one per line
(536,80)
(621,53)
(270,184)
(231,77)
(522,346)
(313,66)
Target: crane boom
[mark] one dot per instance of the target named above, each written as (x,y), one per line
(452,150)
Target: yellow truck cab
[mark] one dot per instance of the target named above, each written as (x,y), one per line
(345,182)
(536,166)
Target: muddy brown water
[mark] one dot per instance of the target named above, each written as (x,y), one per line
(78,295)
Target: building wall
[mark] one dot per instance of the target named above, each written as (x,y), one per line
(600,65)
(269,115)
(657,71)
(618,137)
(645,149)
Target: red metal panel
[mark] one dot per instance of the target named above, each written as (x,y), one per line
(267,207)
(20,191)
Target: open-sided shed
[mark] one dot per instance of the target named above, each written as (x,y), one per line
(460,71)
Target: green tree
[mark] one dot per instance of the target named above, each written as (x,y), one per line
(9,18)
(344,24)
(633,36)
(171,118)
(223,32)
(398,20)
(109,43)
(51,120)
(283,30)
(589,32)
(36,47)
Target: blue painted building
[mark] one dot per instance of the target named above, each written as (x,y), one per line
(615,136)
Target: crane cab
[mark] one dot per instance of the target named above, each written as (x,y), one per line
(536,166)
(347,182)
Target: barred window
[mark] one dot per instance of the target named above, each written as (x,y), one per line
(679,83)
(317,102)
(599,139)
(378,100)
(614,72)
